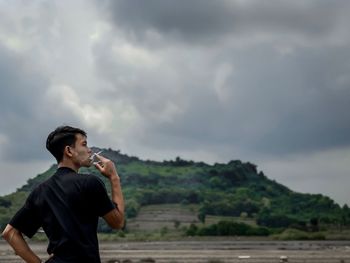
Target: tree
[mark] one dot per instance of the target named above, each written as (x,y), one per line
(314,224)
(177,224)
(192,230)
(201,216)
(4,202)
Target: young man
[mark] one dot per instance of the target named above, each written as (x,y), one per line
(67,205)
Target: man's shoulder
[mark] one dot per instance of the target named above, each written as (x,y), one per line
(94,183)
(37,192)
(38,188)
(90,178)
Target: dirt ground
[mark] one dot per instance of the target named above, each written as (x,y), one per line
(214,251)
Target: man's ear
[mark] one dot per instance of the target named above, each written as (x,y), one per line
(68,151)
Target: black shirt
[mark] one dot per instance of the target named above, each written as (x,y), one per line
(67,207)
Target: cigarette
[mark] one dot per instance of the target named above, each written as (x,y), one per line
(94,154)
(98,153)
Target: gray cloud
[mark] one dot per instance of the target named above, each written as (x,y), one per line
(211,21)
(267,103)
(27,114)
(21,97)
(40,78)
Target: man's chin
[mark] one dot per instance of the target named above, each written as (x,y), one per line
(87,164)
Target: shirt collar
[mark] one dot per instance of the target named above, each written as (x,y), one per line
(64,170)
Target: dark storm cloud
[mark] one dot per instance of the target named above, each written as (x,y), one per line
(295,104)
(199,20)
(286,91)
(26,114)
(20,100)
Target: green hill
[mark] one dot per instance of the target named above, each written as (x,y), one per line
(233,189)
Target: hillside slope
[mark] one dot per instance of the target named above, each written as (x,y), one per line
(231,189)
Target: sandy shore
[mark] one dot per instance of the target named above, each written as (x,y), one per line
(210,251)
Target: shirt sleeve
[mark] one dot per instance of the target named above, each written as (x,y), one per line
(99,199)
(27,220)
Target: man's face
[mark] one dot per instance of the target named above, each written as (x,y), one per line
(81,152)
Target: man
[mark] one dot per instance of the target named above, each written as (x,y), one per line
(67,205)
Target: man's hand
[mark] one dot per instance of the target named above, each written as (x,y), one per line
(114,218)
(106,167)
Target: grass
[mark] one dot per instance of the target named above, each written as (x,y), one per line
(294,234)
(337,234)
(215,219)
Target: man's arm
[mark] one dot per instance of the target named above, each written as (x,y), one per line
(114,218)
(17,242)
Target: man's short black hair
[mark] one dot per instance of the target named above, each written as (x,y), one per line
(60,138)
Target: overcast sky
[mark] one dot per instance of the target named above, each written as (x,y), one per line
(261,81)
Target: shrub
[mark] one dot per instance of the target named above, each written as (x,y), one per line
(228,228)
(294,234)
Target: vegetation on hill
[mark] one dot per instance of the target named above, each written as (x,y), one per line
(234,189)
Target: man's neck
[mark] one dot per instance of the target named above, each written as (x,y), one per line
(68,165)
